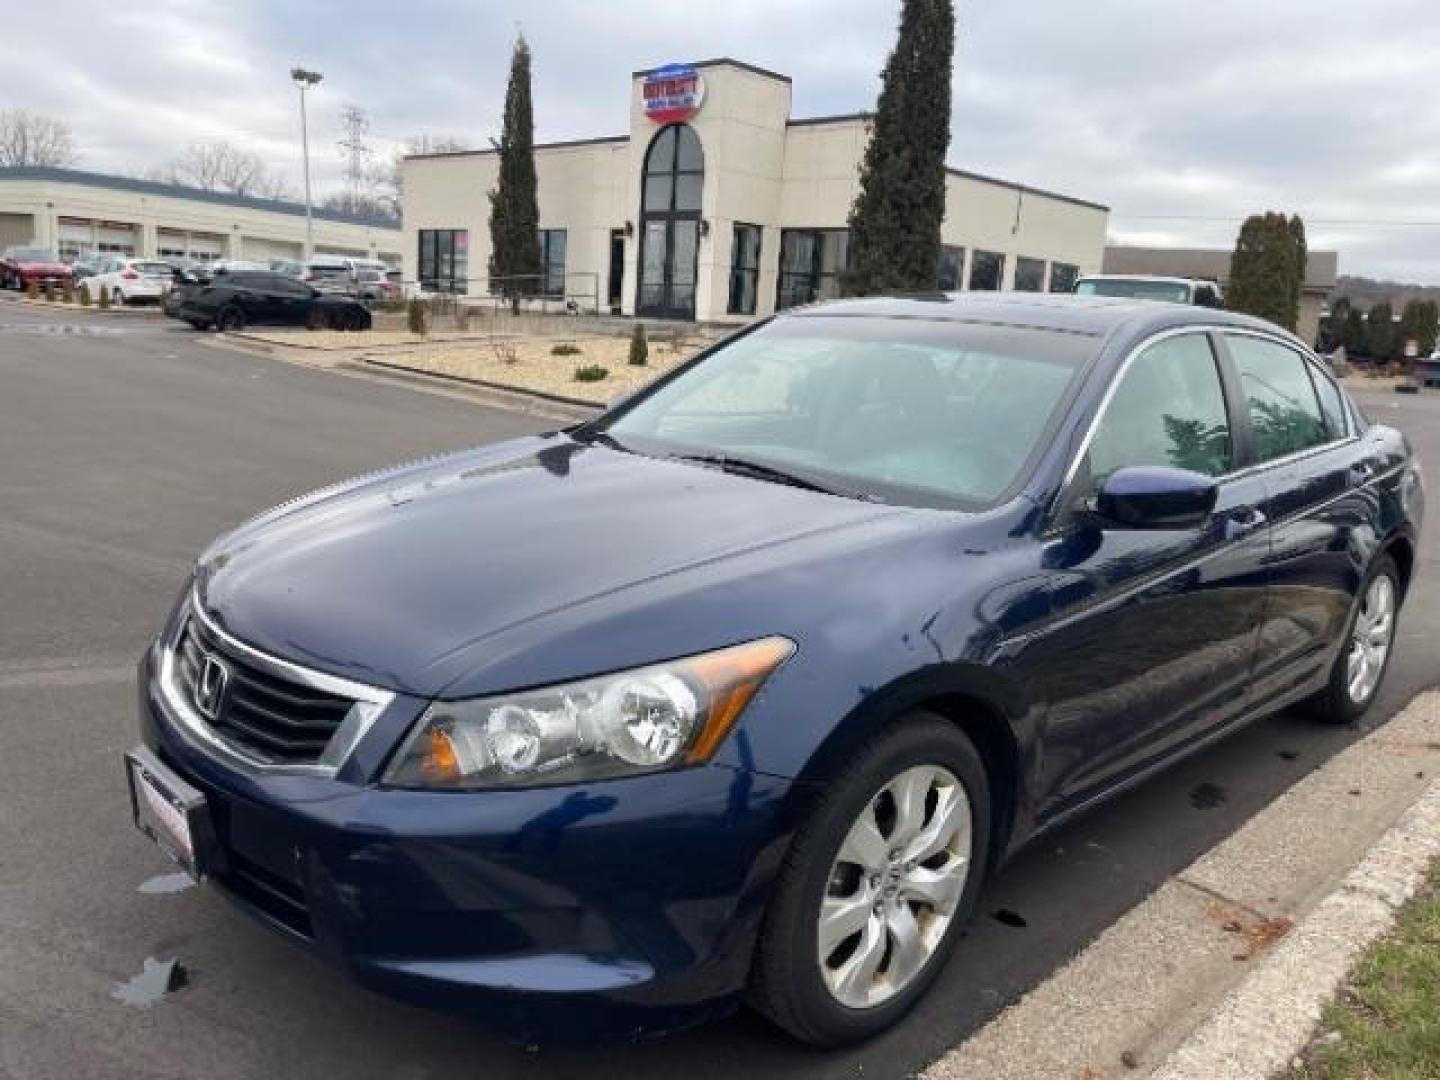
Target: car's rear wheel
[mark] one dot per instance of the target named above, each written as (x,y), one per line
(1359,670)
(230,318)
(879,879)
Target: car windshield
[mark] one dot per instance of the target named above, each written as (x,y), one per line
(1177,292)
(160,268)
(30,254)
(922,413)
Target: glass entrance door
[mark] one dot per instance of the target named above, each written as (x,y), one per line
(670,234)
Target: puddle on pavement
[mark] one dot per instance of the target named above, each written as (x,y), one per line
(162,884)
(1007,917)
(156,979)
(1208,796)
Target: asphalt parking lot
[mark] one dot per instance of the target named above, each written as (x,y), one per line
(126,444)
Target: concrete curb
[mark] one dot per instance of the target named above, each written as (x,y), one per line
(1163,977)
(1269,1018)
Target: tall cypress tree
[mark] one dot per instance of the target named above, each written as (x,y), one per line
(514,207)
(895,221)
(1301,253)
(1267,269)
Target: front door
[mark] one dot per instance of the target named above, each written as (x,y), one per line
(670,224)
(1153,631)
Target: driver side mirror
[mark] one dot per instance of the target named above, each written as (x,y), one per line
(1157,497)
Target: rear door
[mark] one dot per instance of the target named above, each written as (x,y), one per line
(1154,629)
(1316,470)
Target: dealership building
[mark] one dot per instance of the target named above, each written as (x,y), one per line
(718,205)
(76,214)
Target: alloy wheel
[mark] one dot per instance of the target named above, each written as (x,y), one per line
(895,886)
(1370,639)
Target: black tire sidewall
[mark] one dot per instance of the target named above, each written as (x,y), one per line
(230,319)
(792,964)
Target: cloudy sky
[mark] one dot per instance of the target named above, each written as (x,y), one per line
(1181,116)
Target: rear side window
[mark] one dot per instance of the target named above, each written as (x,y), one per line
(1331,406)
(1284,409)
(1169,409)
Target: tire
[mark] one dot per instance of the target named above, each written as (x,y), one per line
(837,999)
(318,319)
(1345,698)
(230,319)
(198,324)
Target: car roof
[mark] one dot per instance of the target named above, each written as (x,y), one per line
(1094,316)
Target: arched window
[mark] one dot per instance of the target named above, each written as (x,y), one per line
(672,186)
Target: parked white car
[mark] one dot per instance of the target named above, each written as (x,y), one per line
(129,280)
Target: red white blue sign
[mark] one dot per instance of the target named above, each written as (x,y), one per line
(673,94)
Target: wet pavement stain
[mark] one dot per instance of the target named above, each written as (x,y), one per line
(156,979)
(162,884)
(1208,796)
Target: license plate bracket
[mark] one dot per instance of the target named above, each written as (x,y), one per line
(173,813)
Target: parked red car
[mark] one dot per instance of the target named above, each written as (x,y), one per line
(19,266)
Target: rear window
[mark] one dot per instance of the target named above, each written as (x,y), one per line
(1175,292)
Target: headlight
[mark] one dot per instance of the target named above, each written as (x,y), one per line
(645,720)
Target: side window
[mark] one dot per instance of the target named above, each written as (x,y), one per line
(1331,406)
(1169,409)
(1284,411)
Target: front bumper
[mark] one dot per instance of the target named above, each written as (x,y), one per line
(574,913)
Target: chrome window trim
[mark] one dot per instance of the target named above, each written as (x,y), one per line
(1205,329)
(369,701)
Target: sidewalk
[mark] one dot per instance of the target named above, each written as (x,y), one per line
(1223,970)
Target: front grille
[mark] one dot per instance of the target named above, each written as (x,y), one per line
(274,719)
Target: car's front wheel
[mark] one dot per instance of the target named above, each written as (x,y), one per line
(877,883)
(1364,657)
(230,318)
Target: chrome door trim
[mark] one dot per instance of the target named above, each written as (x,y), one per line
(1205,329)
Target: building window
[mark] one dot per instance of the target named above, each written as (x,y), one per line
(1063,277)
(952,268)
(811,262)
(552,262)
(744,269)
(1029,275)
(444,260)
(987,271)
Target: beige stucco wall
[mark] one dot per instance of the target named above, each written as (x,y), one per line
(761,169)
(50,200)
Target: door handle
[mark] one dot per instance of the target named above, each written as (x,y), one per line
(1243,520)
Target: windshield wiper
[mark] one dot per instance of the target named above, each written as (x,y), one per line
(604,438)
(761,471)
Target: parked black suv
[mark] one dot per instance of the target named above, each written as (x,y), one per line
(234,300)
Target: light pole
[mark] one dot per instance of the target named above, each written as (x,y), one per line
(304,79)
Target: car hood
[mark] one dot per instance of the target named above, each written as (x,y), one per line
(413,578)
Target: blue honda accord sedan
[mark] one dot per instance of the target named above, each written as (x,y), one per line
(740,691)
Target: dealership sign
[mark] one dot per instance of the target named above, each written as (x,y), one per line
(673,94)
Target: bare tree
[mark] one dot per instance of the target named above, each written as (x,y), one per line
(221,166)
(28,138)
